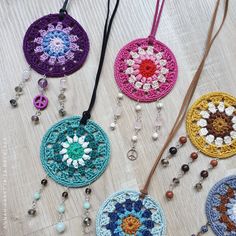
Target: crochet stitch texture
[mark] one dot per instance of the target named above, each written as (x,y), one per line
(221,207)
(211,124)
(55,47)
(75,155)
(124,213)
(145,72)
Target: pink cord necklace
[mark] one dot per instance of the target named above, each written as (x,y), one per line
(146,71)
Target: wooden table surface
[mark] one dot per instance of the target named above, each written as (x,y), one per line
(183,28)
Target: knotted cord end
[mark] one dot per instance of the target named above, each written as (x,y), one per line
(86,116)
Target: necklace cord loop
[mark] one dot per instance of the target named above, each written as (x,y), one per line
(63,10)
(187,99)
(106,32)
(156,20)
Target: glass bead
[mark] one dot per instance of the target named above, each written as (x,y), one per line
(32,212)
(18,89)
(138,125)
(13,102)
(60,227)
(86,205)
(87,221)
(61,209)
(155,136)
(44,182)
(61,96)
(37,196)
(63,83)
(198,186)
(65,194)
(26,75)
(62,112)
(35,119)
(88,191)
(164,162)
(118,111)
(42,83)
(185,168)
(173,150)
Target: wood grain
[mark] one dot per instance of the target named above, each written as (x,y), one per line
(183,28)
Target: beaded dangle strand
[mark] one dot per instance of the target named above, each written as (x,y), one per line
(75,151)
(54,46)
(145,70)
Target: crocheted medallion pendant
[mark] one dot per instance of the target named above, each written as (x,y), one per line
(145,72)
(55,47)
(211,124)
(75,155)
(124,213)
(221,207)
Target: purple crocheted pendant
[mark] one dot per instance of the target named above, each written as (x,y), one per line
(55,47)
(145,72)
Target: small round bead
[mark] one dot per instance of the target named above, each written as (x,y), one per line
(37,196)
(185,168)
(88,191)
(176,181)
(169,195)
(164,162)
(60,227)
(63,83)
(35,119)
(87,221)
(61,96)
(13,102)
(138,108)
(155,136)
(134,138)
(113,126)
(198,186)
(43,83)
(61,209)
(120,96)
(18,89)
(32,212)
(173,150)
(204,174)
(26,75)
(159,105)
(194,156)
(65,194)
(44,182)
(183,140)
(86,205)
(62,112)
(214,163)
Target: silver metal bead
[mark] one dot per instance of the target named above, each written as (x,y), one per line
(13,102)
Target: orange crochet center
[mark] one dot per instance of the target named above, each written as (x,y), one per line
(130,225)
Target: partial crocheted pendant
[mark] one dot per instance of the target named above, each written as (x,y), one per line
(146,71)
(55,45)
(74,155)
(221,208)
(211,124)
(125,213)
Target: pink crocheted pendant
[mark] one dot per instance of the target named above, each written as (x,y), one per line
(145,72)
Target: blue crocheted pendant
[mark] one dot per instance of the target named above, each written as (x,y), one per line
(221,207)
(124,213)
(75,155)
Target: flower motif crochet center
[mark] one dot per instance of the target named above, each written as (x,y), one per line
(145,72)
(211,124)
(124,213)
(75,155)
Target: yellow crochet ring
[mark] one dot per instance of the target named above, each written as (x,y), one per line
(211,124)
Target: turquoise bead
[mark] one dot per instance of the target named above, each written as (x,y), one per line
(61,209)
(37,196)
(60,227)
(86,205)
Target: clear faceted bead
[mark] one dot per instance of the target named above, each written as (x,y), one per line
(61,96)
(118,111)
(138,125)
(26,75)
(63,83)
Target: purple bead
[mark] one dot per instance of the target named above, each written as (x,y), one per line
(43,83)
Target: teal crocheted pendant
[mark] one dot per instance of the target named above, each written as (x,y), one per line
(74,155)
(125,213)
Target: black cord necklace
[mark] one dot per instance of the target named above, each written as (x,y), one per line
(75,151)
